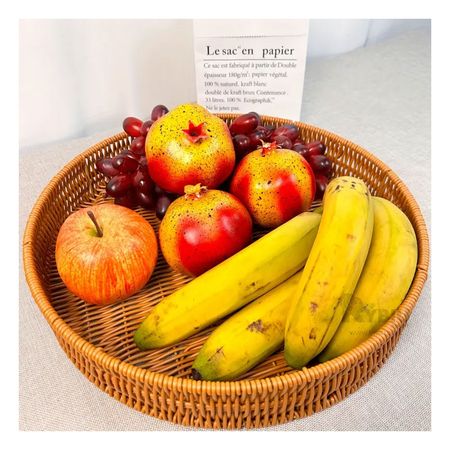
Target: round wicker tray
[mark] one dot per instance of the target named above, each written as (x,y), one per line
(99,339)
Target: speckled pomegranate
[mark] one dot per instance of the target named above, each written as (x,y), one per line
(189,145)
(202,228)
(275,184)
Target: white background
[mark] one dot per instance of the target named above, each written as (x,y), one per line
(78,77)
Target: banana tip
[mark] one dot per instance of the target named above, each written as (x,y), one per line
(196,375)
(139,341)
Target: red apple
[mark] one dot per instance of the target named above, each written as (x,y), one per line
(105,253)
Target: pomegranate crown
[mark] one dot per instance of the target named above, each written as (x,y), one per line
(267,147)
(195,133)
(194,190)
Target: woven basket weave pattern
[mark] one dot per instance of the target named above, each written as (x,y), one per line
(99,339)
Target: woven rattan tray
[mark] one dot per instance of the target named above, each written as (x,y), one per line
(99,339)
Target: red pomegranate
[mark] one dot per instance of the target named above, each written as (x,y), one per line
(189,145)
(275,184)
(203,228)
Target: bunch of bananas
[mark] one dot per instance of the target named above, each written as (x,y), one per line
(323,283)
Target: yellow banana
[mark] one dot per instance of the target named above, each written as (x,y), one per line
(332,270)
(247,337)
(230,285)
(384,282)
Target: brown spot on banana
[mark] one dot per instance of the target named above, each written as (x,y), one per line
(218,352)
(257,326)
(312,333)
(313,307)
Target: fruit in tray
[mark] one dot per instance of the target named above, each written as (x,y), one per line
(275,184)
(202,228)
(387,274)
(332,270)
(249,133)
(245,124)
(238,280)
(360,251)
(127,177)
(189,145)
(105,253)
(384,281)
(247,337)
(130,184)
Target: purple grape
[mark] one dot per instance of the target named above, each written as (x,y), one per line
(125,163)
(145,127)
(320,164)
(162,203)
(158,111)
(255,139)
(316,148)
(301,149)
(145,200)
(321,185)
(105,166)
(283,141)
(143,162)
(132,126)
(142,181)
(245,124)
(119,185)
(241,144)
(128,199)
(267,129)
(290,130)
(137,146)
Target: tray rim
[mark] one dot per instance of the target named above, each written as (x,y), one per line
(320,371)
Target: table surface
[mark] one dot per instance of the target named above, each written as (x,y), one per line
(378,97)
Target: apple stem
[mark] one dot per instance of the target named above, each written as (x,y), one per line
(92,217)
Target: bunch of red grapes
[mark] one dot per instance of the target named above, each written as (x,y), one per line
(129,182)
(249,133)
